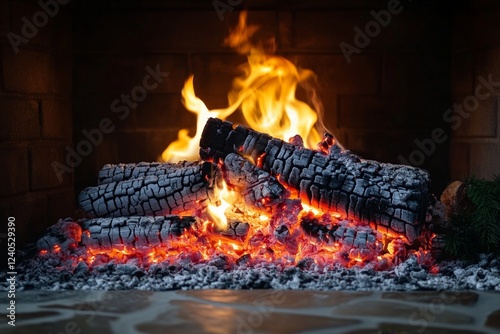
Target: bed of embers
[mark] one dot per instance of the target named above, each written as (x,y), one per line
(228,222)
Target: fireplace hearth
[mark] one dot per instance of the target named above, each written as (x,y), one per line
(311,157)
(250,166)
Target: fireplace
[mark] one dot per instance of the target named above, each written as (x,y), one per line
(100,84)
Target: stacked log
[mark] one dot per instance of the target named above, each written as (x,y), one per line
(392,198)
(145,204)
(104,233)
(121,172)
(180,189)
(136,231)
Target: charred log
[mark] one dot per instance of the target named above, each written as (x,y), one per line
(259,189)
(183,191)
(121,172)
(67,235)
(365,239)
(391,197)
(64,236)
(134,231)
(236,230)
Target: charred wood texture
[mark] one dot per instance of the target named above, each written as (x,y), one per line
(121,172)
(64,236)
(393,198)
(182,191)
(134,231)
(68,235)
(236,230)
(259,189)
(364,239)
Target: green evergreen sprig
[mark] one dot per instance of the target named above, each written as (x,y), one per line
(475,229)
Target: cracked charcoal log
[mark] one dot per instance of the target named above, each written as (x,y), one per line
(366,241)
(236,230)
(64,236)
(349,235)
(134,231)
(183,192)
(115,173)
(393,198)
(259,189)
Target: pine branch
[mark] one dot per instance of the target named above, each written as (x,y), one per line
(476,228)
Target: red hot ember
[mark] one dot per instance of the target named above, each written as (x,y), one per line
(293,206)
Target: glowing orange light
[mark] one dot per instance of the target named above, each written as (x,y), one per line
(308,208)
(217,212)
(265,94)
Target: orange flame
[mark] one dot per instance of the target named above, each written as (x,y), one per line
(217,212)
(265,94)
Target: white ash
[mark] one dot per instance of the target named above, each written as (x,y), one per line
(407,276)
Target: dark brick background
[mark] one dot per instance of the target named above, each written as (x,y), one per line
(35,121)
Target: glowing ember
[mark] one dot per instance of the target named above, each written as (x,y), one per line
(306,240)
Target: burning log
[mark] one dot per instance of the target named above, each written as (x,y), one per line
(63,236)
(391,197)
(236,230)
(134,231)
(260,190)
(121,172)
(182,191)
(67,234)
(361,241)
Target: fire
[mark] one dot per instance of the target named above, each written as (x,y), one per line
(206,243)
(294,234)
(308,208)
(186,147)
(217,212)
(265,94)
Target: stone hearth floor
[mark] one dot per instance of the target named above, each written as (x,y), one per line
(253,311)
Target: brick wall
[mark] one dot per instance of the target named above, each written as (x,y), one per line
(475,148)
(389,95)
(35,118)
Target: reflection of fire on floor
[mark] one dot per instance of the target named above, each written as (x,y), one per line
(266,311)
